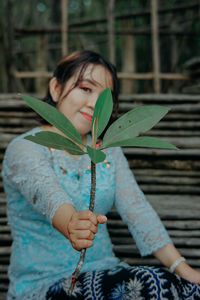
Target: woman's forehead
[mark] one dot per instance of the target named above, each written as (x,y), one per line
(98,75)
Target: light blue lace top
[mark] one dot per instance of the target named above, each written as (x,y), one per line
(37,181)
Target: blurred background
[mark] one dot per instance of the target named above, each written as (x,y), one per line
(155,45)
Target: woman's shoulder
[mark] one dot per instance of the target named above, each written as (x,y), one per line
(17,144)
(20,138)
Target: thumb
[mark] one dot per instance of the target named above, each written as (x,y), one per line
(101,219)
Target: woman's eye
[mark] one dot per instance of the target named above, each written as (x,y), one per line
(86,89)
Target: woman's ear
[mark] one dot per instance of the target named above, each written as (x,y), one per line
(54,88)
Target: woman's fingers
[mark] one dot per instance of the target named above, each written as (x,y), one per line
(101,219)
(82,239)
(82,228)
(84,225)
(81,244)
(83,234)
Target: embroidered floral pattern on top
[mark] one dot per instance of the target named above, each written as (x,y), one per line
(88,171)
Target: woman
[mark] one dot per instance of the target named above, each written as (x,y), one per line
(48,194)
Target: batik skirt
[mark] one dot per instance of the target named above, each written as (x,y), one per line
(126,283)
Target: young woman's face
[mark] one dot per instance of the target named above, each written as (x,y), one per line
(79,102)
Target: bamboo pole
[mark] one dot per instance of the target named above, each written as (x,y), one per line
(10,44)
(149,76)
(139,31)
(129,58)
(155,45)
(35,74)
(111,30)
(64,27)
(41,65)
(121,75)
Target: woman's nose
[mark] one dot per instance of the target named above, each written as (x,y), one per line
(92,100)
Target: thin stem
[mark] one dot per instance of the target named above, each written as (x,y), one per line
(93,186)
(91,208)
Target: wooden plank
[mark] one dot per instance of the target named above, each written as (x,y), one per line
(179,124)
(124,232)
(3,221)
(169,224)
(160,98)
(166,162)
(19,122)
(13,103)
(168,172)
(3,268)
(17,114)
(168,180)
(133,250)
(4,229)
(183,108)
(15,130)
(176,133)
(154,262)
(3,289)
(5,251)
(194,153)
(178,241)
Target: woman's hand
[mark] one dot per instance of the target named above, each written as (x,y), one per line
(168,254)
(82,228)
(188,273)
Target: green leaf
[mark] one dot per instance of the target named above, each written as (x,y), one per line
(96,156)
(56,141)
(144,141)
(54,117)
(133,123)
(102,112)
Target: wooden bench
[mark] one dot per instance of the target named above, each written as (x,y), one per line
(169,179)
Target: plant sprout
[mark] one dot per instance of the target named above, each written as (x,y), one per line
(123,132)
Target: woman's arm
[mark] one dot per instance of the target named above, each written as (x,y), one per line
(168,254)
(143,222)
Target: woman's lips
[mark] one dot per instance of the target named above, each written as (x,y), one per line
(87,116)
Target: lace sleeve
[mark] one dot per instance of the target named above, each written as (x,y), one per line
(143,222)
(27,167)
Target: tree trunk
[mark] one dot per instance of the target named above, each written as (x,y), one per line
(41,83)
(64,11)
(155,45)
(128,59)
(111,30)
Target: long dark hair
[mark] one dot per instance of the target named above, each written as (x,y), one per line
(77,63)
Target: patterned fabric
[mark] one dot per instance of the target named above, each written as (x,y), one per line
(36,185)
(133,283)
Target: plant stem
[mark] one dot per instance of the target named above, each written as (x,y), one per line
(91,208)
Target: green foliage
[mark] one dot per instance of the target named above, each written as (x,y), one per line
(134,123)
(122,132)
(102,112)
(144,141)
(96,156)
(56,141)
(54,117)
